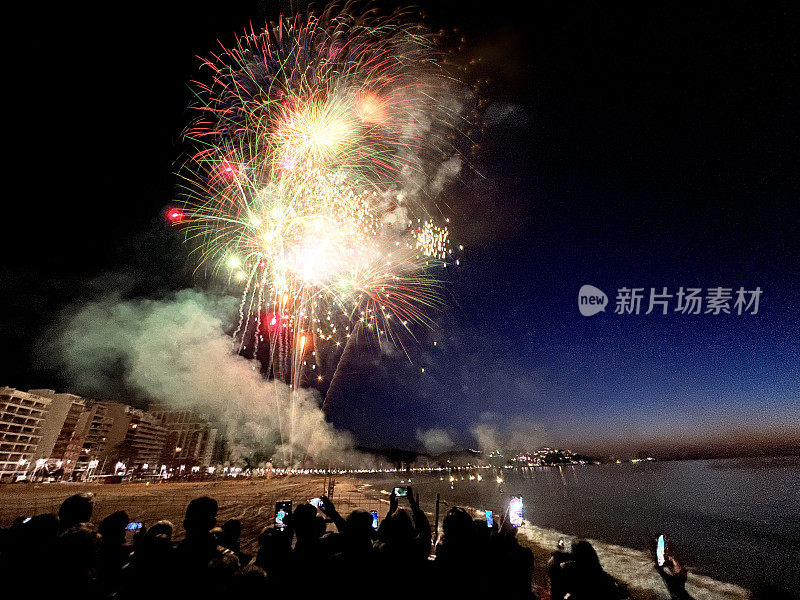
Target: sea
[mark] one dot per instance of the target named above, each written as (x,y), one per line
(734,522)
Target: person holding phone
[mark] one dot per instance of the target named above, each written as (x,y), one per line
(672,572)
(515,511)
(356,562)
(283,514)
(328,509)
(399,529)
(579,574)
(511,558)
(404,543)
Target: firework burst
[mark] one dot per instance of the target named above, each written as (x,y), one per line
(309,137)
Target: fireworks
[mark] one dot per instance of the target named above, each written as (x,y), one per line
(307,188)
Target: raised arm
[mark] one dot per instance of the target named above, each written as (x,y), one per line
(392,504)
(421,522)
(674,575)
(329,510)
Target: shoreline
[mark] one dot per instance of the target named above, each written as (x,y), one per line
(632,567)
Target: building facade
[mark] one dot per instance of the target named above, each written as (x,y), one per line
(58,428)
(21,418)
(88,444)
(136,438)
(47,434)
(191,439)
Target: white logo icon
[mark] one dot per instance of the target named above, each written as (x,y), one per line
(591,300)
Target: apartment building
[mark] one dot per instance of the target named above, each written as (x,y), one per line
(191,438)
(21,418)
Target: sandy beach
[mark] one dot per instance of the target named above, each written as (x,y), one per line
(251,501)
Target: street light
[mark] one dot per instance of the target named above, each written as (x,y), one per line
(39,464)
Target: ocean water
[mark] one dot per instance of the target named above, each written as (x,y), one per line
(734,521)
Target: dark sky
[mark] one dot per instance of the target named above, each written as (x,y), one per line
(627,144)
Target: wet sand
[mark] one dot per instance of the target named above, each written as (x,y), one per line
(632,567)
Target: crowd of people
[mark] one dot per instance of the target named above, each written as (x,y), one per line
(64,555)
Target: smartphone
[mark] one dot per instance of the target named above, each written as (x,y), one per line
(661,544)
(131,530)
(283,511)
(316,502)
(515,507)
(489,519)
(401,492)
(375,520)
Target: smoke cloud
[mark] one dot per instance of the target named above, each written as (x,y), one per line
(435,441)
(433,121)
(176,351)
(449,169)
(518,435)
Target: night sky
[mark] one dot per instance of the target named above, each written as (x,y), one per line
(625,145)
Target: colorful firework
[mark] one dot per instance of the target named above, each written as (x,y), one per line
(315,139)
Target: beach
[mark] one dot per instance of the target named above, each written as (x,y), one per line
(252,501)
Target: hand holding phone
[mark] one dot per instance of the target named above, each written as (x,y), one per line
(283,512)
(401,492)
(374,514)
(133,528)
(316,502)
(670,568)
(661,546)
(489,519)
(515,508)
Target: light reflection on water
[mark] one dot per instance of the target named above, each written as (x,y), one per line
(735,520)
